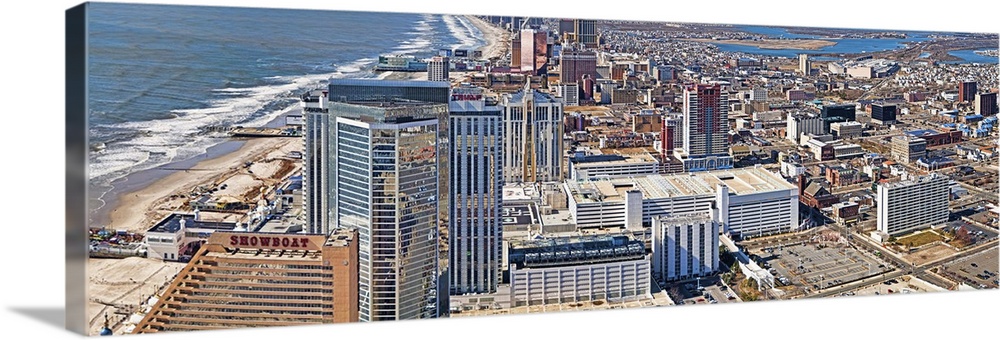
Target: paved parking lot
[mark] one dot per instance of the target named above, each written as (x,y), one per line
(902,285)
(712,291)
(813,267)
(978,270)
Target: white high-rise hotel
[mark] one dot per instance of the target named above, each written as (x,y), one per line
(685,246)
(532,137)
(912,204)
(476,182)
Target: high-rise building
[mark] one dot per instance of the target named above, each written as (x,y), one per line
(884,114)
(706,127)
(908,149)
(534,48)
(912,204)
(685,246)
(438,68)
(575,64)
(986,104)
(967,91)
(515,51)
(476,191)
(586,32)
(318,132)
(385,180)
(533,134)
(805,66)
(314,110)
(672,136)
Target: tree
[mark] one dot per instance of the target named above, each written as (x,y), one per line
(963,237)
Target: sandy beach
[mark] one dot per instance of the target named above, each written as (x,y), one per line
(496,38)
(137,210)
(495,48)
(775,44)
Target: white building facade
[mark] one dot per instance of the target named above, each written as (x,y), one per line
(685,246)
(533,131)
(750,201)
(613,268)
(912,204)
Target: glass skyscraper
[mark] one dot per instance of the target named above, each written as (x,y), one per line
(385,183)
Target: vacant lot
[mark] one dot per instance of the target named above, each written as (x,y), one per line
(920,239)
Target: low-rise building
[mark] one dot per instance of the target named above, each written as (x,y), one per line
(580,268)
(846,130)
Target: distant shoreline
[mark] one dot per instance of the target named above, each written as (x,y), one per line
(774,44)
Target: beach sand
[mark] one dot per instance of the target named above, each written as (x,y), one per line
(495,48)
(496,38)
(123,283)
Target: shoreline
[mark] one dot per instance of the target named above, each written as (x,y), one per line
(137,197)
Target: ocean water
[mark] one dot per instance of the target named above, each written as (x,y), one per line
(159,76)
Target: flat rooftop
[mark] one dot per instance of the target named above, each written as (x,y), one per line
(522,214)
(172,224)
(741,181)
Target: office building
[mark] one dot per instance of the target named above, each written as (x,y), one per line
(967,90)
(750,201)
(385,184)
(884,114)
(846,130)
(838,114)
(685,246)
(574,64)
(586,32)
(912,204)
(986,104)
(533,132)
(907,148)
(240,279)
(438,68)
(578,268)
(706,126)
(805,66)
(569,92)
(474,233)
(803,123)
